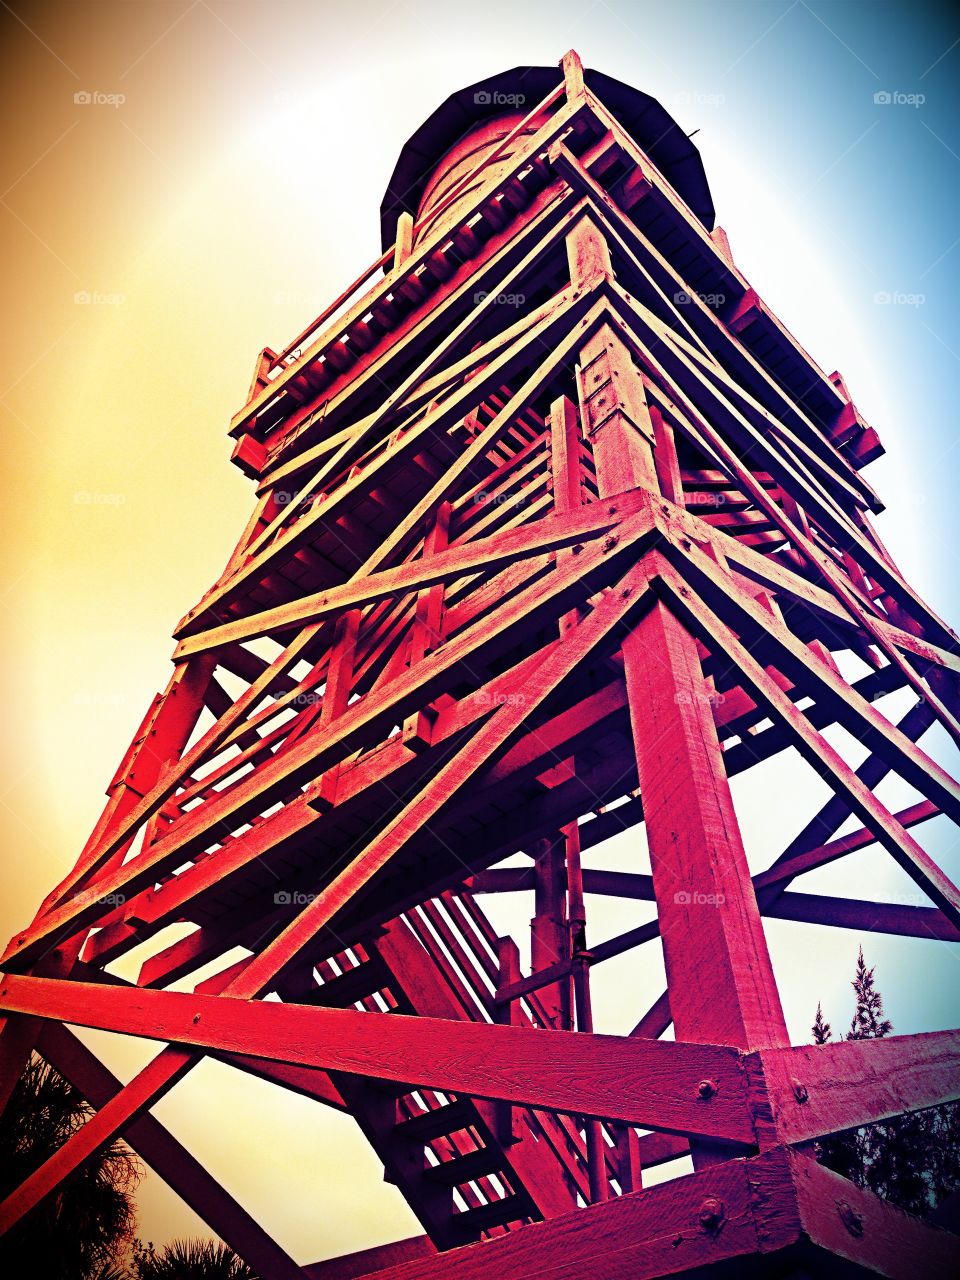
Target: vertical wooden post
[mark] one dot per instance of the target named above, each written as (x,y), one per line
(425,632)
(705,898)
(572,75)
(580,960)
(565,455)
(549,936)
(629,1172)
(508,957)
(567,475)
(403,245)
(665,457)
(336,694)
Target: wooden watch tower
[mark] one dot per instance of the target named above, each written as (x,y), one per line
(557,530)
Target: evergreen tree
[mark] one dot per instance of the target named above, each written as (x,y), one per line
(911,1160)
(821,1028)
(868,1022)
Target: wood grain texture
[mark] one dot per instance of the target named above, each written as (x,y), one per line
(651,1083)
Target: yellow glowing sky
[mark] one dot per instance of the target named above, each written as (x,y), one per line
(213,212)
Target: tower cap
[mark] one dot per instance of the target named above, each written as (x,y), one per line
(644,118)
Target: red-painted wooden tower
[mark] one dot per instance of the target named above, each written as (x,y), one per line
(557,530)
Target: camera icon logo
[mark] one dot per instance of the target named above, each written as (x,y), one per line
(82,98)
(282,898)
(883,98)
(482,98)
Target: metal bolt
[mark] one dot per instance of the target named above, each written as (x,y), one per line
(850,1218)
(800,1092)
(711,1214)
(706,1088)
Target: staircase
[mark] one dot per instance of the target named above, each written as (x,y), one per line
(468,1168)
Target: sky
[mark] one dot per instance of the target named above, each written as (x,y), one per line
(186,181)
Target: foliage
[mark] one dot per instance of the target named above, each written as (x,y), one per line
(911,1160)
(82,1232)
(188,1260)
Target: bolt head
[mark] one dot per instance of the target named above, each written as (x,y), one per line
(706,1088)
(850,1218)
(711,1214)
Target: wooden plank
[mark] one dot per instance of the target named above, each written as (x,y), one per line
(657,1232)
(799,857)
(481,555)
(845,1223)
(351,1266)
(705,900)
(814,1090)
(650,1083)
(864,916)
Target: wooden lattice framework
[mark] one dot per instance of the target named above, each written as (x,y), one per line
(551,514)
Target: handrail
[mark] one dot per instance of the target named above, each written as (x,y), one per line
(385,257)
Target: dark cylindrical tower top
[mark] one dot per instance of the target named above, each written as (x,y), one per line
(474,121)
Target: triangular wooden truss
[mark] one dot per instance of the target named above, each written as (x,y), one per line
(554,515)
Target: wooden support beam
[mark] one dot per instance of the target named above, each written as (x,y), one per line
(650,1083)
(815,1090)
(166,1156)
(818,753)
(364,1262)
(482,555)
(164,1071)
(776,1210)
(549,928)
(310,757)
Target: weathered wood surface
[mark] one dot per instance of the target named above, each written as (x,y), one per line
(651,1083)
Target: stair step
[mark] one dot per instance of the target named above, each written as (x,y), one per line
(468,1224)
(356,984)
(442,1120)
(465,1168)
